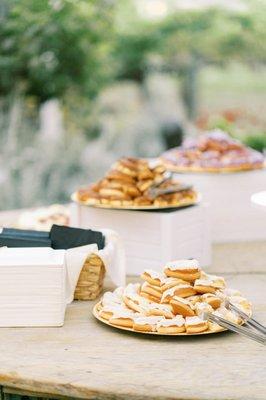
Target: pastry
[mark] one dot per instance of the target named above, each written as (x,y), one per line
(182,306)
(168,283)
(213,151)
(122,318)
(153,291)
(146,324)
(152,277)
(163,310)
(174,325)
(161,303)
(179,290)
(187,270)
(195,325)
(127,184)
(213,300)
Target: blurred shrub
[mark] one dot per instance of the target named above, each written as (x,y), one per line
(256,141)
(47,46)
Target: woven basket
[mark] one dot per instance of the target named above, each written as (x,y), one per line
(90,282)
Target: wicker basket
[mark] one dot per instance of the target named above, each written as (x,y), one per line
(90,282)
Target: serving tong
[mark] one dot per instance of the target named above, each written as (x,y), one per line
(242,330)
(155,191)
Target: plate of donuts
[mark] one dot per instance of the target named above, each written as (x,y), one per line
(171,302)
(127,186)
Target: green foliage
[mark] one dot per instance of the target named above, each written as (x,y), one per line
(47,46)
(256,141)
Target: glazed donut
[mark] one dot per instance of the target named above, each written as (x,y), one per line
(174,325)
(188,270)
(182,306)
(195,325)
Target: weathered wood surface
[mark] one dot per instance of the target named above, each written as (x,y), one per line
(86,359)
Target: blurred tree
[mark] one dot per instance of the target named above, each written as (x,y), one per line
(48,46)
(185,41)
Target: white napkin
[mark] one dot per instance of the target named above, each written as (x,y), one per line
(113,257)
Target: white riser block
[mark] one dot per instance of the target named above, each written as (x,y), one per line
(233,217)
(153,238)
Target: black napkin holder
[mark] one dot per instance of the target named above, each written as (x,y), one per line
(60,237)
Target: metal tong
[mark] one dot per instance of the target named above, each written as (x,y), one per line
(242,330)
(155,191)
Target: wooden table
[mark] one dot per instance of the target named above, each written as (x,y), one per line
(86,359)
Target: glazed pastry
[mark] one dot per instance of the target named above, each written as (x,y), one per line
(108,311)
(195,325)
(213,151)
(182,307)
(169,282)
(152,277)
(153,291)
(122,318)
(111,298)
(187,270)
(213,300)
(217,281)
(150,298)
(128,183)
(146,324)
(180,291)
(204,286)
(174,325)
(163,310)
(201,308)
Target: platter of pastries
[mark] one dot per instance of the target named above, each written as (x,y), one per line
(129,184)
(171,302)
(214,151)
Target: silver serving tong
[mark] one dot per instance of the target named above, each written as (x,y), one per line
(242,330)
(155,191)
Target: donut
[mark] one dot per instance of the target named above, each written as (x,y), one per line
(174,325)
(146,324)
(179,290)
(195,325)
(182,306)
(187,270)
(153,277)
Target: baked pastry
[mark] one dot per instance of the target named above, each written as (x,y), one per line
(214,151)
(127,184)
(174,325)
(161,303)
(146,324)
(153,277)
(187,270)
(182,306)
(195,325)
(184,290)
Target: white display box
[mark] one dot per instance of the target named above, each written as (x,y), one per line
(32,287)
(233,218)
(153,238)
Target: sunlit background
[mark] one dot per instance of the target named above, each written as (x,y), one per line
(83,82)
